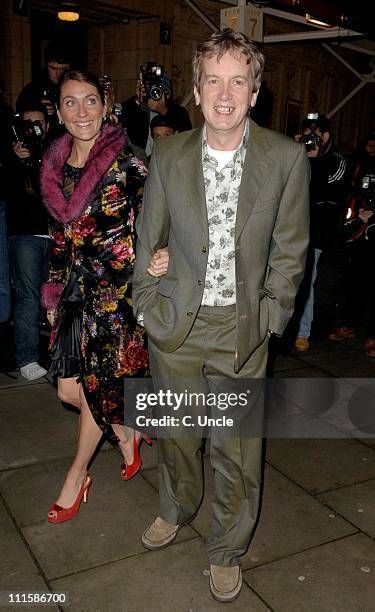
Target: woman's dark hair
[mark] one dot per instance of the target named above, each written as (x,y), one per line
(82,77)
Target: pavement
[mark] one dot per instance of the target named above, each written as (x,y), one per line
(313,550)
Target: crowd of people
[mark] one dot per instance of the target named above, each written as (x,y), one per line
(185,275)
(342,223)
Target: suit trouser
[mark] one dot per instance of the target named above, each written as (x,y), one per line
(207,355)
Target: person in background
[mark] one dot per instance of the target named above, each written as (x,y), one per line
(139,110)
(43,88)
(327,188)
(29,243)
(6,116)
(358,313)
(161,126)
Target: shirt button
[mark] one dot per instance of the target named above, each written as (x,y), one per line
(204,249)
(189,313)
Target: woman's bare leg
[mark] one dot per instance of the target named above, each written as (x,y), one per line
(89,435)
(125,435)
(68,391)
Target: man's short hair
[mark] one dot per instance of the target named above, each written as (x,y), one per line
(235,43)
(57,52)
(34,107)
(162,121)
(315,121)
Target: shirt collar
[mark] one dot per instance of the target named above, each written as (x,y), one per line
(240,151)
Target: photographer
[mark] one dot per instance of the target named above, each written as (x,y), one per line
(327,188)
(153,97)
(6,114)
(43,88)
(29,244)
(359,233)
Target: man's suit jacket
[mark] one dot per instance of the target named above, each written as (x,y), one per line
(271,238)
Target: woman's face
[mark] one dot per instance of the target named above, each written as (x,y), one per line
(82,110)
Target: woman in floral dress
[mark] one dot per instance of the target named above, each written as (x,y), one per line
(92,186)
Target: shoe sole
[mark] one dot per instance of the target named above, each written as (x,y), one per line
(219,596)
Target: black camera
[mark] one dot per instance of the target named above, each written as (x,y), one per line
(154,81)
(367,192)
(311,141)
(31,134)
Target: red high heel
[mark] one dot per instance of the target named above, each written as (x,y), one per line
(58,514)
(128,471)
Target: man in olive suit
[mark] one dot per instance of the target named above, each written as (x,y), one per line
(230,201)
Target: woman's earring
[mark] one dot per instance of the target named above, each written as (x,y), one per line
(61,121)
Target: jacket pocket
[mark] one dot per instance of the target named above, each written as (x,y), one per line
(263,292)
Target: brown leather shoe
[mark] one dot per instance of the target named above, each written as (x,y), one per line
(341,333)
(225,582)
(159,534)
(301,344)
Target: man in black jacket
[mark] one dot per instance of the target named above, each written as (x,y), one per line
(139,110)
(29,244)
(44,87)
(327,196)
(358,310)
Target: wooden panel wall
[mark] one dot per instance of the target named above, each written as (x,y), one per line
(305,71)
(15,51)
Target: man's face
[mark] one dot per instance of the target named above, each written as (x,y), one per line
(162,132)
(225,95)
(55,71)
(36,116)
(324,137)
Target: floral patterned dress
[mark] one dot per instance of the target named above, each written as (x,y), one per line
(97,247)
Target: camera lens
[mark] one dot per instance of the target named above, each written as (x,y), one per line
(156,92)
(309,142)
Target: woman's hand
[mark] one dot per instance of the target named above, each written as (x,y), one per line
(159,262)
(51,315)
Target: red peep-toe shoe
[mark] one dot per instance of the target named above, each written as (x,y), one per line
(58,514)
(128,471)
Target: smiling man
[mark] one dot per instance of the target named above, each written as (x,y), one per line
(230,201)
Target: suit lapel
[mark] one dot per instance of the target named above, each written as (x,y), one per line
(190,178)
(257,168)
